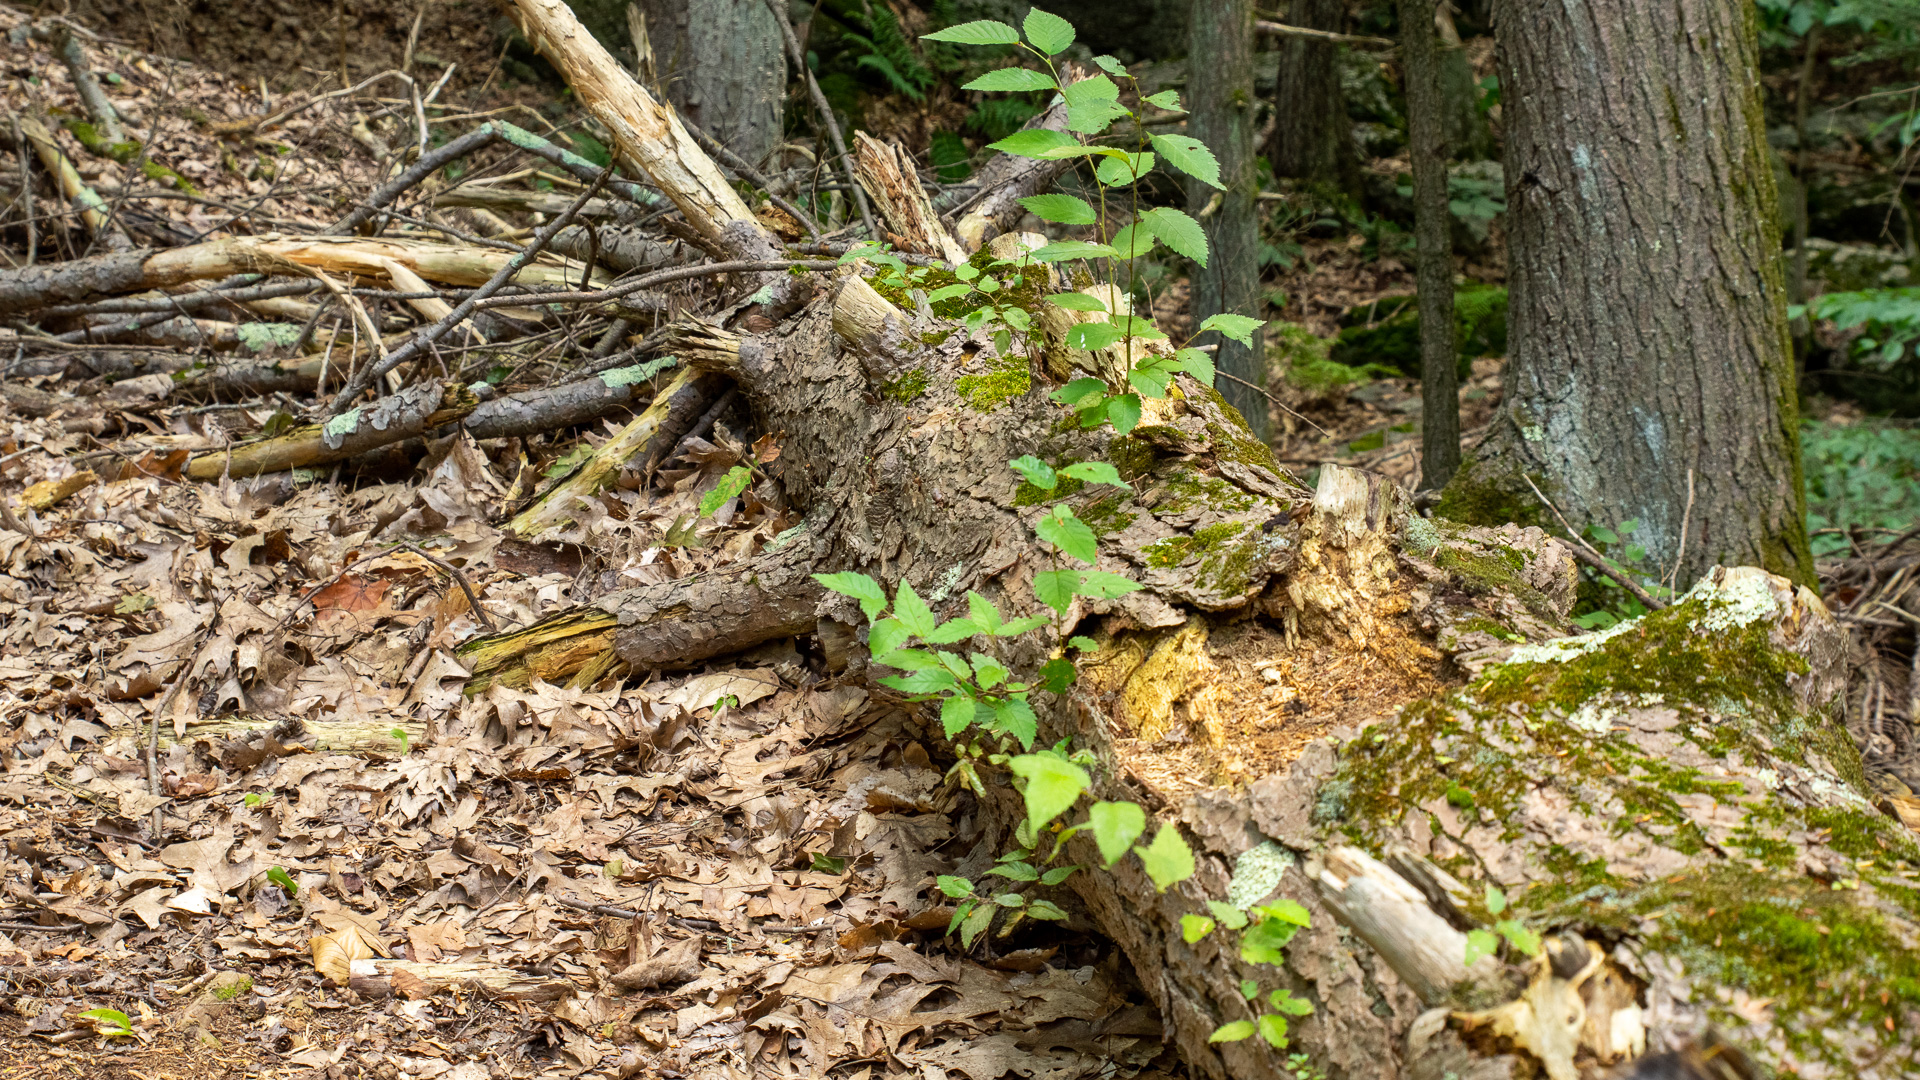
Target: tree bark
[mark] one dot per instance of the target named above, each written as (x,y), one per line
(722,64)
(1312,138)
(1221,96)
(1432,229)
(1647,316)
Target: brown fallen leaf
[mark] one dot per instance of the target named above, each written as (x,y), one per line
(334,953)
(680,962)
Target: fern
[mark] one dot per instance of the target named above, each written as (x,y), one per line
(999,117)
(890,54)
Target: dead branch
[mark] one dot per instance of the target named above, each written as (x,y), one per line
(410,412)
(799,58)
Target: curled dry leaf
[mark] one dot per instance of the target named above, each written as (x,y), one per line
(334,953)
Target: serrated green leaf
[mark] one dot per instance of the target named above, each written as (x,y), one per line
(1230,917)
(1057,875)
(730,485)
(1037,472)
(1092,104)
(1055,588)
(1091,336)
(1045,909)
(1168,860)
(1048,32)
(1116,825)
(1021,625)
(1133,242)
(1273,1028)
(984,611)
(1083,643)
(1147,382)
(886,636)
(1069,534)
(1496,901)
(1238,327)
(1010,900)
(1197,364)
(1194,927)
(1123,412)
(1178,231)
(953,631)
(987,671)
(1062,250)
(1480,943)
(1011,79)
(1034,142)
(978,32)
(1283,1000)
(1288,911)
(1077,301)
(1249,989)
(1015,717)
(976,923)
(1095,472)
(1190,156)
(929,681)
(956,712)
(1018,871)
(1122,168)
(1233,1032)
(1053,785)
(948,292)
(912,611)
(1110,65)
(1262,942)
(1078,390)
(1101,585)
(1165,99)
(1518,936)
(1060,209)
(873,599)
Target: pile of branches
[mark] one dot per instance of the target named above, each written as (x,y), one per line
(1875,591)
(423,310)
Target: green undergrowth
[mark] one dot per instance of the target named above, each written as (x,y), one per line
(1864,475)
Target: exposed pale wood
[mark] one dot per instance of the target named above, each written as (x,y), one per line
(384,978)
(1396,920)
(92,209)
(886,172)
(321,736)
(48,493)
(647,136)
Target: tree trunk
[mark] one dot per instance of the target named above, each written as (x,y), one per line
(1649,377)
(1220,93)
(1432,228)
(1670,801)
(723,65)
(1312,137)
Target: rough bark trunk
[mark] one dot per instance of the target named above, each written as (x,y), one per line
(1648,328)
(1220,89)
(1312,137)
(722,63)
(1432,228)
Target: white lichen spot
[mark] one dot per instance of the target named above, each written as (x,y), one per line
(1835,792)
(1256,873)
(1741,602)
(1766,778)
(1533,433)
(1560,650)
(947,581)
(339,427)
(1422,538)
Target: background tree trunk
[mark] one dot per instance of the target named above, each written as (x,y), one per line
(1427,145)
(1312,138)
(1647,317)
(1221,96)
(722,63)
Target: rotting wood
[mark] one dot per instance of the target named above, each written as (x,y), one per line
(413,411)
(887,174)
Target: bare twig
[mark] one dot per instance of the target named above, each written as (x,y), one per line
(1686,526)
(423,340)
(1279,29)
(473,602)
(826,114)
(1586,554)
(26,191)
(660,277)
(1261,389)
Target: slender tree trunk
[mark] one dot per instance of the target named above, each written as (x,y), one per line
(1797,283)
(1649,377)
(1439,392)
(1220,89)
(722,63)
(1311,134)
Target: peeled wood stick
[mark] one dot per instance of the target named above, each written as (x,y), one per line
(888,176)
(827,120)
(92,209)
(423,340)
(647,136)
(1278,29)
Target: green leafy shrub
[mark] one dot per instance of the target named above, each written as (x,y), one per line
(1864,475)
(1387,331)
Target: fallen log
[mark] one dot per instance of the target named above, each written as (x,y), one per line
(411,412)
(26,288)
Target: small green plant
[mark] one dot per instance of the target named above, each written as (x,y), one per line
(279,876)
(1603,602)
(1861,476)
(828,864)
(729,487)
(256,800)
(1482,942)
(231,990)
(400,733)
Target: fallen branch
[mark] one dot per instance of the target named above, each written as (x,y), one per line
(1586,554)
(413,411)
(92,98)
(1267,26)
(86,202)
